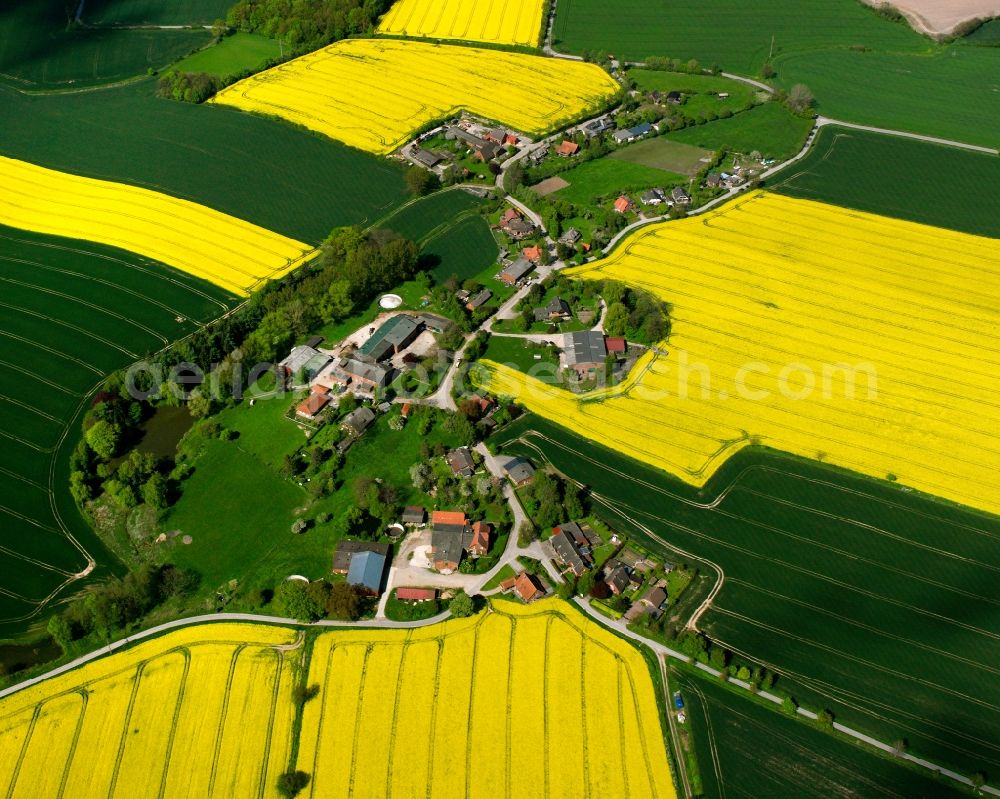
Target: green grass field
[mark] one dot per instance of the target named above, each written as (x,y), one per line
(988,34)
(769,128)
(71,312)
(38,51)
(238,508)
(232,55)
(701,91)
(154,12)
(875,602)
(862,68)
(905,178)
(746,749)
(270,173)
(519,353)
(450,231)
(609,177)
(661,153)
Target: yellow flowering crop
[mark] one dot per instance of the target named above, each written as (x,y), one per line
(535,698)
(374,93)
(771,297)
(202,711)
(496,21)
(222,249)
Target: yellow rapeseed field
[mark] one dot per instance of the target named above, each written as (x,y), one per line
(202,711)
(771,297)
(532,698)
(495,21)
(222,249)
(374,93)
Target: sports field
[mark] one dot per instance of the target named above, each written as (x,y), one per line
(517,22)
(208,711)
(889,175)
(873,601)
(798,325)
(202,711)
(374,94)
(862,68)
(231,253)
(70,313)
(211,155)
(518,701)
(745,749)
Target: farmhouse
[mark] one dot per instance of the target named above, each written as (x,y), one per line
(519,229)
(527,587)
(654,598)
(312,405)
(585,352)
(622,136)
(366,571)
(556,309)
(674,98)
(509,216)
(479,545)
(519,471)
(426,158)
(478,300)
(461,463)
(615,345)
(369,376)
(567,148)
(512,273)
(434,323)
(348,549)
(391,338)
(303,364)
(623,205)
(573,544)
(358,420)
(679,195)
(652,197)
(451,534)
(571,236)
(597,127)
(618,579)
(533,254)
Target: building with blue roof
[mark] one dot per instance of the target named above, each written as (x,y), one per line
(366,571)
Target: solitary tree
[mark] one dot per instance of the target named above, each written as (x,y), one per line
(461,605)
(800,98)
(291,782)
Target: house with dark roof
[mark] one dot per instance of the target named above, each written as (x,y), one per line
(519,229)
(366,572)
(478,300)
(652,197)
(674,97)
(654,598)
(426,158)
(519,471)
(514,272)
(642,129)
(556,309)
(414,515)
(573,545)
(392,336)
(358,420)
(364,375)
(461,463)
(450,535)
(585,352)
(303,363)
(679,195)
(346,550)
(618,579)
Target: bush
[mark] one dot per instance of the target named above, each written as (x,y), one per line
(292,782)
(461,605)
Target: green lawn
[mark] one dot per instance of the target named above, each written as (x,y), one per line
(505,573)
(609,177)
(521,354)
(769,128)
(233,54)
(662,153)
(909,179)
(873,601)
(746,748)
(861,67)
(73,311)
(38,51)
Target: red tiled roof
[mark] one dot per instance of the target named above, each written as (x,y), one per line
(526,587)
(406,409)
(447,517)
(533,254)
(320,389)
(506,585)
(416,594)
(568,148)
(480,536)
(614,344)
(313,405)
(510,138)
(509,216)
(622,204)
